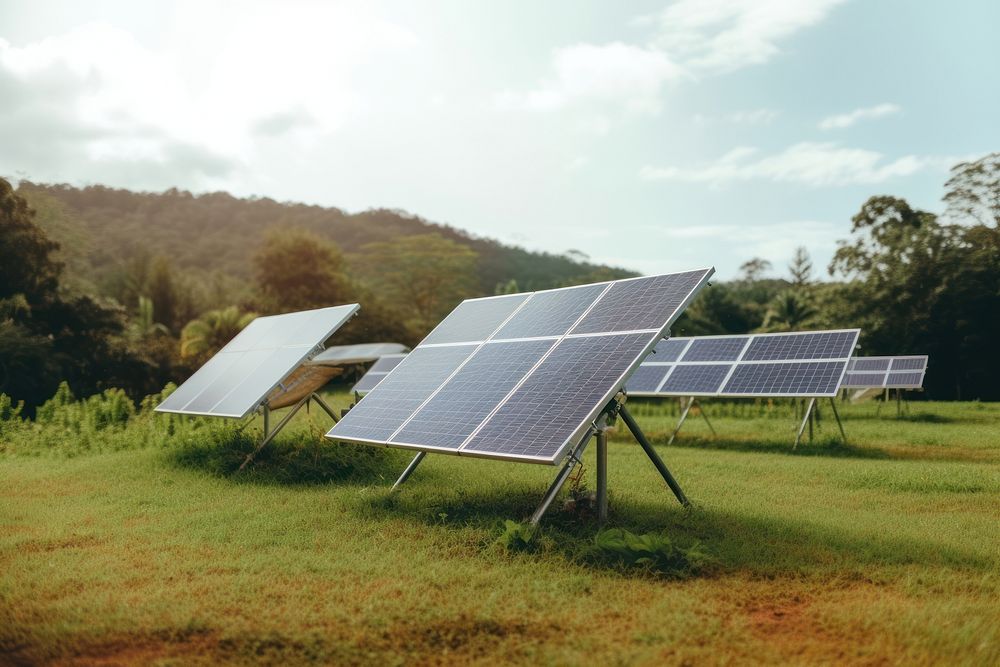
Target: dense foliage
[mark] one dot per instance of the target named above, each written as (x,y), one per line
(110,288)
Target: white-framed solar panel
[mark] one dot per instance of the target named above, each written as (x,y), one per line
(896,372)
(379,370)
(236,381)
(795,364)
(520,377)
(362,353)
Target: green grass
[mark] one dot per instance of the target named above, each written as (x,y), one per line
(886,550)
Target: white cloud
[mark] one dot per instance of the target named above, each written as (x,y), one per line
(715,36)
(97,101)
(741,117)
(843,120)
(813,164)
(691,37)
(620,73)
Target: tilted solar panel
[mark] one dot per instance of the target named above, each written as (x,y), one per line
(235,381)
(521,376)
(903,372)
(342,355)
(808,364)
(378,371)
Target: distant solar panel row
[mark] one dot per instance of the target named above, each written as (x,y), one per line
(241,375)
(520,376)
(794,364)
(378,371)
(905,372)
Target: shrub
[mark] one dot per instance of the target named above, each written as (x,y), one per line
(518,536)
(653,551)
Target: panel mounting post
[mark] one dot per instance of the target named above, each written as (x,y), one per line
(269,433)
(661,467)
(409,470)
(571,462)
(680,422)
(602,475)
(805,419)
(843,435)
(267,419)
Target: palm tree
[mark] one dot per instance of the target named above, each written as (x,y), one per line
(143,326)
(207,334)
(790,310)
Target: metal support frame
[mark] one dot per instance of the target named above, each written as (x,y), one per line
(647,447)
(269,434)
(409,469)
(602,475)
(684,413)
(809,418)
(571,462)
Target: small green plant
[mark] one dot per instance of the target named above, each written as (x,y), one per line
(653,551)
(519,536)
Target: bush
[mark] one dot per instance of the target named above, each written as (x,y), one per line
(518,536)
(653,551)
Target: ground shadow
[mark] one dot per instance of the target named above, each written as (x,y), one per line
(299,457)
(762,546)
(823,445)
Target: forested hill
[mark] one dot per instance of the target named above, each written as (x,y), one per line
(100,227)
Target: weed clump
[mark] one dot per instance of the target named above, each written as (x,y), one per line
(654,552)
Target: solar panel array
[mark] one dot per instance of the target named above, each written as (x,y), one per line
(809,363)
(378,371)
(520,376)
(906,372)
(239,377)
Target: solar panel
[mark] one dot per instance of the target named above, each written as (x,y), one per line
(648,378)
(239,377)
(342,355)
(809,364)
(378,371)
(522,376)
(903,372)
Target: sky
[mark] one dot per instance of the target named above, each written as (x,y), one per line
(657,136)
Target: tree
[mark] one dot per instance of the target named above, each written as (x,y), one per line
(26,263)
(421,276)
(973,191)
(801,268)
(297,270)
(754,269)
(203,337)
(790,310)
(162,292)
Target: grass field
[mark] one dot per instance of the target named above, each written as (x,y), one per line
(884,551)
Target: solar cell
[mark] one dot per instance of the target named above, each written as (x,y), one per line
(641,303)
(696,379)
(869,364)
(550,313)
(475,319)
(240,376)
(537,369)
(669,349)
(807,345)
(383,410)
(909,363)
(715,349)
(813,378)
(905,380)
(551,409)
(451,415)
(647,379)
(859,380)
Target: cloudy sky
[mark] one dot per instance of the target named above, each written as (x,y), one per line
(653,135)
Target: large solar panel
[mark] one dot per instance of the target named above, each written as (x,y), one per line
(239,377)
(378,371)
(903,372)
(810,363)
(521,376)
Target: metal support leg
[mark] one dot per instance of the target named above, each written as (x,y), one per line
(705,417)
(653,456)
(802,427)
(267,420)
(326,408)
(409,469)
(899,403)
(270,436)
(843,436)
(558,482)
(602,476)
(680,422)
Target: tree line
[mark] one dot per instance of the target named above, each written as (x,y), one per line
(107,288)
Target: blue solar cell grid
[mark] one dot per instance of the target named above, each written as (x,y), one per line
(646,379)
(813,378)
(696,379)
(715,349)
(825,345)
